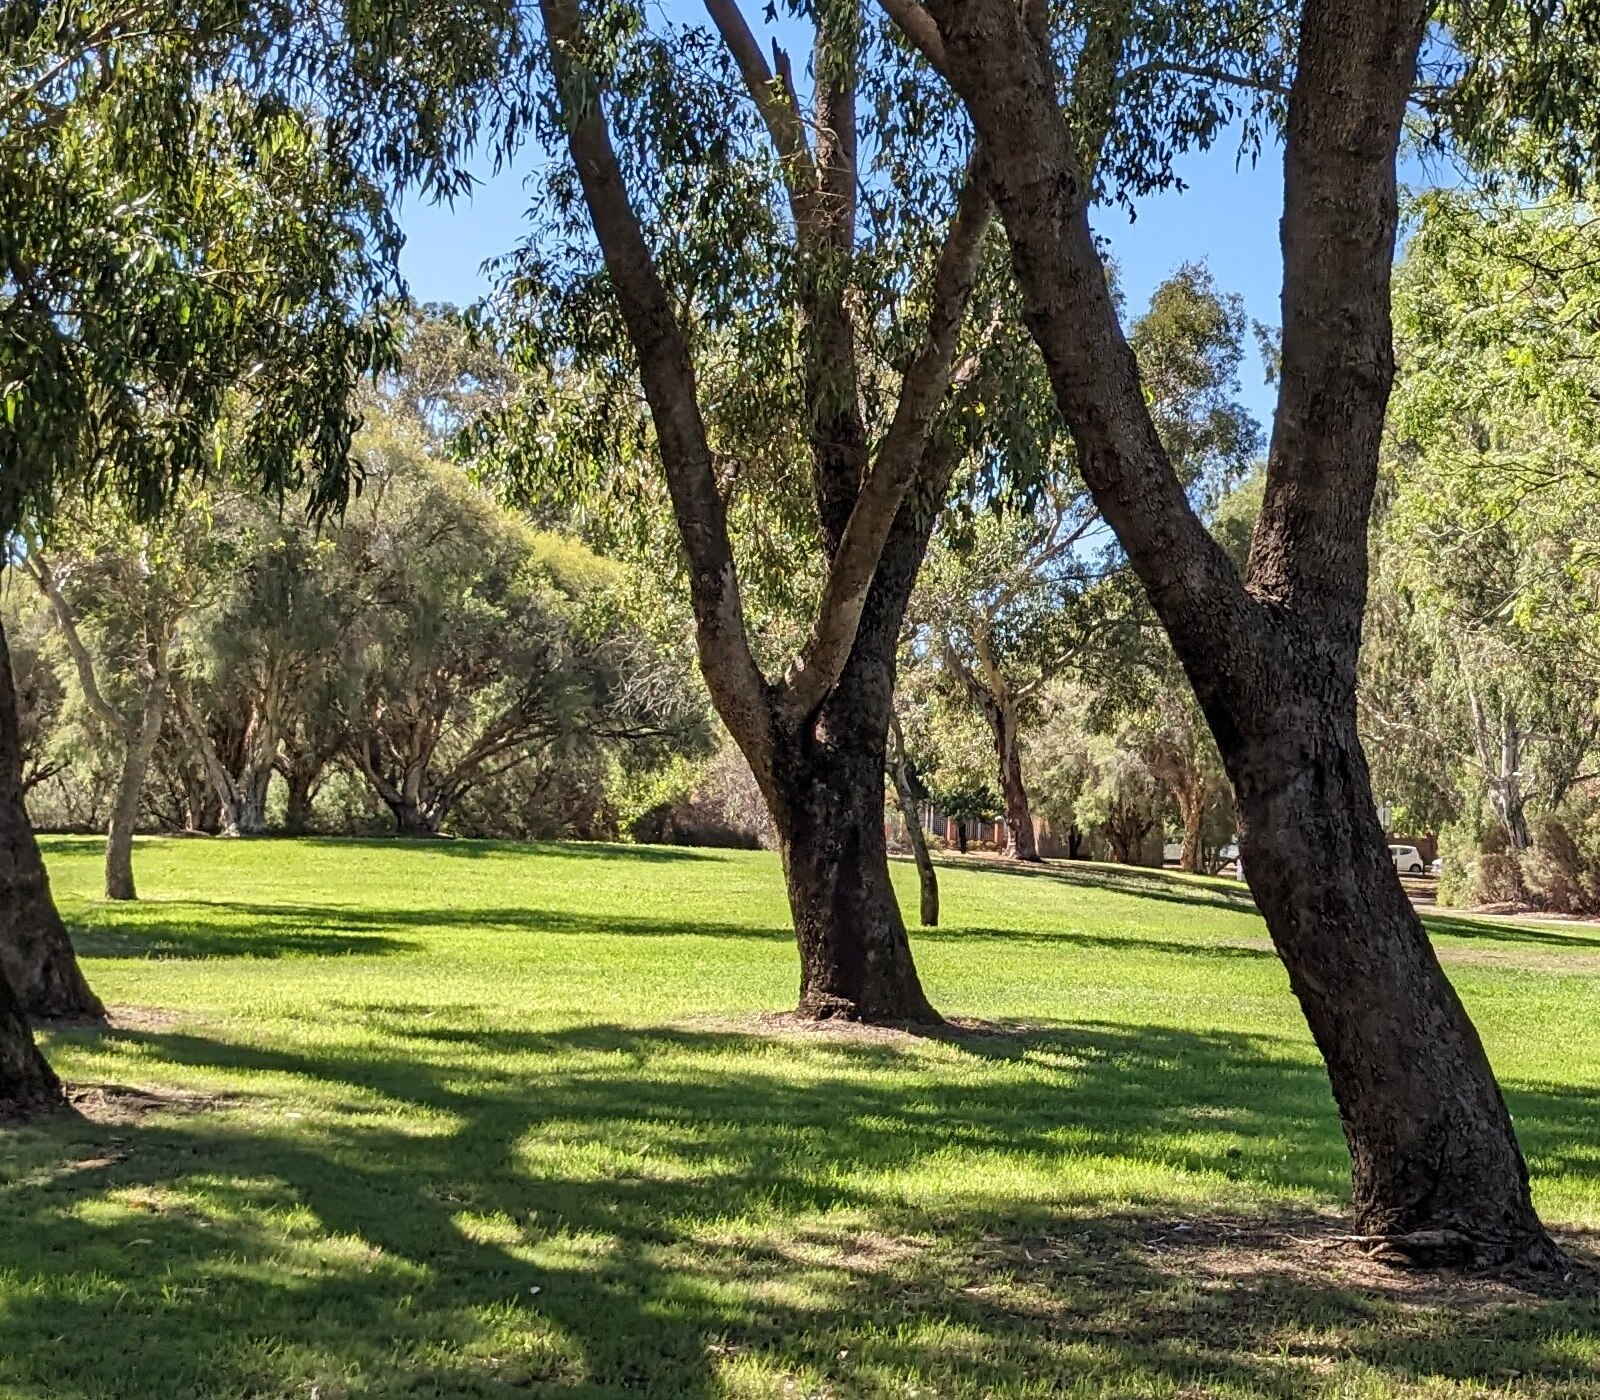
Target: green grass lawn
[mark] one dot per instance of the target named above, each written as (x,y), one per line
(466,1119)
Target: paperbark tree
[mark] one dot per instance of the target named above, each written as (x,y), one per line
(1437,1171)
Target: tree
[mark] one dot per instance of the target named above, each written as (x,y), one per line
(1480,683)
(1011,597)
(1272,654)
(176,222)
(134,586)
(905,790)
(481,645)
(881,435)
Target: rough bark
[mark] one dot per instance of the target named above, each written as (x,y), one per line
(141,744)
(28,1086)
(927,876)
(36,956)
(825,789)
(1437,1171)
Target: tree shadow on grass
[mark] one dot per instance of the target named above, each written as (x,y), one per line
(608,1210)
(1507,931)
(473,849)
(194,930)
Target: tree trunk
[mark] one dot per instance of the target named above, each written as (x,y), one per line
(125,811)
(28,1086)
(1437,1172)
(1021,839)
(1436,1166)
(411,819)
(927,876)
(36,956)
(825,790)
(301,789)
(1192,808)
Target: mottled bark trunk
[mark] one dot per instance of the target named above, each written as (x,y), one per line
(36,956)
(130,788)
(927,876)
(28,1086)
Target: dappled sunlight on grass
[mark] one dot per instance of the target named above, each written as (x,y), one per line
(537,1140)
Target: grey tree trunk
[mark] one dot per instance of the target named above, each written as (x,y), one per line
(36,955)
(927,876)
(130,787)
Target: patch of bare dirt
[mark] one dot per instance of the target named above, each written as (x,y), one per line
(1312,1251)
(143,1018)
(793,1023)
(121,1105)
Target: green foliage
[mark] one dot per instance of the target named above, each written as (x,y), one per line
(197,233)
(1479,680)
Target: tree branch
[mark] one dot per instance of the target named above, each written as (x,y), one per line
(775,100)
(735,682)
(67,620)
(922,392)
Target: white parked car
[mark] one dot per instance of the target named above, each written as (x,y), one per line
(1408,860)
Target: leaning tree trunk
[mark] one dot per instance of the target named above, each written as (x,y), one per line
(28,1086)
(1437,1172)
(1436,1169)
(36,955)
(927,876)
(130,788)
(825,790)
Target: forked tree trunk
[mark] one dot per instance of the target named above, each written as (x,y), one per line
(36,956)
(28,1086)
(825,791)
(927,876)
(130,788)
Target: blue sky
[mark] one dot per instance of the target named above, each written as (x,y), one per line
(1227,218)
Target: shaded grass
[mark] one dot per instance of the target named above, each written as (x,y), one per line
(500,1120)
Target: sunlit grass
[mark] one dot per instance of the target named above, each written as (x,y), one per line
(464,1120)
